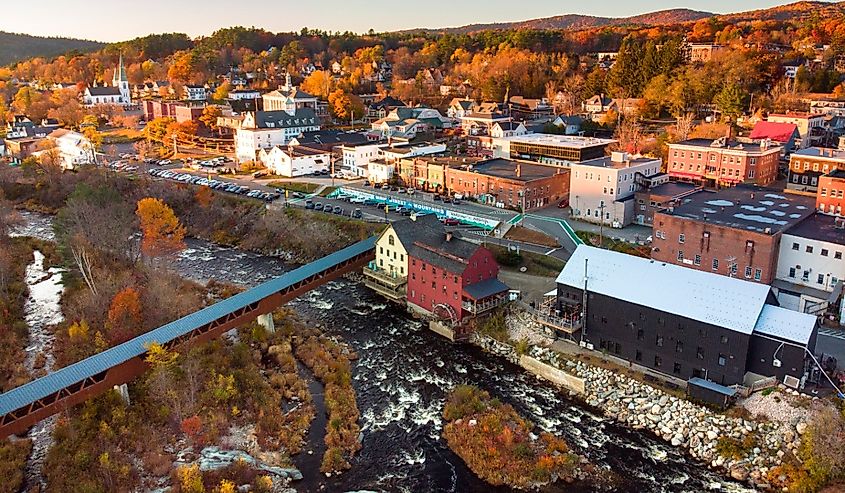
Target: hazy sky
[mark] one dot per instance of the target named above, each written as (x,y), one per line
(116,20)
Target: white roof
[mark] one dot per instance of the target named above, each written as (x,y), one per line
(570,141)
(786,324)
(710,298)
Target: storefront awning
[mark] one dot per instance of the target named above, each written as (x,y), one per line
(485,289)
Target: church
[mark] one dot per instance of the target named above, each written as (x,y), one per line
(118,93)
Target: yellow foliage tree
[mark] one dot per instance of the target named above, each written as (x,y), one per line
(190,479)
(78,331)
(226,486)
(162,233)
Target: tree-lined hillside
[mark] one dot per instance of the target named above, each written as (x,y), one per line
(15,47)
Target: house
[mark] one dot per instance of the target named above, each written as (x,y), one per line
(266,129)
(381,108)
(288,98)
(791,67)
(505,183)
(734,232)
(23,138)
(602,189)
(830,198)
(460,107)
(811,126)
(292,161)
(393,153)
(785,134)
(501,130)
(406,123)
(452,280)
(682,323)
(388,273)
(829,107)
(118,93)
(703,52)
(658,197)
(723,162)
(329,140)
(73,149)
(560,150)
(598,106)
(811,267)
(480,123)
(571,125)
(244,94)
(529,108)
(194,93)
(380,171)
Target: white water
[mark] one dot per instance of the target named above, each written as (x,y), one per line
(42,311)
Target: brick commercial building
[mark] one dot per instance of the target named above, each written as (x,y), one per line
(452,279)
(723,163)
(511,184)
(684,323)
(810,125)
(808,165)
(734,232)
(830,198)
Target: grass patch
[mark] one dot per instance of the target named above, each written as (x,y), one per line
(295,186)
(734,448)
(327,191)
(615,245)
(122,136)
(534,263)
(525,235)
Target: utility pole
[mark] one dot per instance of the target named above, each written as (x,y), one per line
(601,224)
(584,303)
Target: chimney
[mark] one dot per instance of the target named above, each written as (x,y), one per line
(448,236)
(518,170)
(729,132)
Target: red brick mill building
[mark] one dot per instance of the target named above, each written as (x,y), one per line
(453,279)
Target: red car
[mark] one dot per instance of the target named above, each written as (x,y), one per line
(563,204)
(451,222)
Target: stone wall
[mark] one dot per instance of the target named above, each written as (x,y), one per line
(552,374)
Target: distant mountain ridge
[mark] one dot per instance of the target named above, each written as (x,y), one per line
(16,47)
(577,22)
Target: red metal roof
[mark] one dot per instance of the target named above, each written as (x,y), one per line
(779,132)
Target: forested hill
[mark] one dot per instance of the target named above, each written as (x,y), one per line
(16,47)
(577,22)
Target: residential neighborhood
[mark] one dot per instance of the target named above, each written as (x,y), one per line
(581,252)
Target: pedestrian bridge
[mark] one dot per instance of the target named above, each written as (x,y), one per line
(28,404)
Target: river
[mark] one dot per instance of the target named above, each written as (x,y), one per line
(403,375)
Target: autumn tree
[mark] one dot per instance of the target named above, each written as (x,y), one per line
(222,92)
(345,106)
(161,232)
(209,117)
(319,84)
(124,319)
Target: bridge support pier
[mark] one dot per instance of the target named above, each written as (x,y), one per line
(266,321)
(123,390)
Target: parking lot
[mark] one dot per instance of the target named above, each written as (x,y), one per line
(214,184)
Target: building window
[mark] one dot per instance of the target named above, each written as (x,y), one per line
(715,264)
(680,255)
(824,252)
(758,274)
(809,249)
(679,347)
(697,260)
(390,240)
(676,369)
(699,352)
(659,341)
(820,279)
(837,255)
(748,272)
(722,360)
(639,355)
(681,238)
(640,335)
(792,272)
(657,361)
(723,339)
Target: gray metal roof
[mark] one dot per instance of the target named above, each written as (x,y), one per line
(485,289)
(57,380)
(715,387)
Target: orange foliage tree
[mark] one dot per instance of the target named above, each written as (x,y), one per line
(124,318)
(162,233)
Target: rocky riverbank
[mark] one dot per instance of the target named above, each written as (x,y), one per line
(745,449)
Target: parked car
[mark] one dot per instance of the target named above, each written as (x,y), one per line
(411,191)
(449,221)
(437,198)
(298,195)
(309,204)
(366,183)
(357,214)
(338,210)
(456,201)
(563,204)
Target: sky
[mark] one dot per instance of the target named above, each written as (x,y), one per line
(118,20)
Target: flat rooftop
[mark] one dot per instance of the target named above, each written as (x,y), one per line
(822,152)
(570,141)
(608,162)
(673,189)
(506,168)
(819,227)
(732,145)
(747,208)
